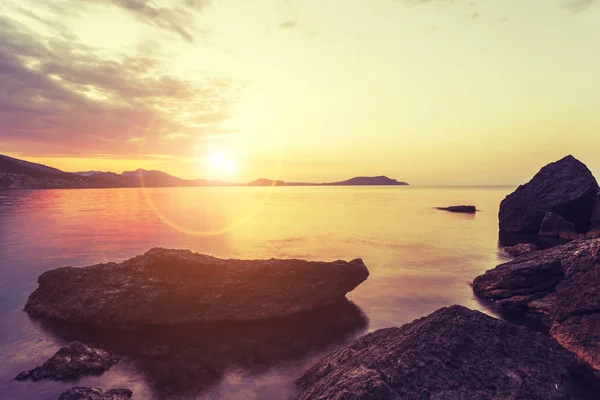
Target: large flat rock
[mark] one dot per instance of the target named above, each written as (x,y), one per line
(557,289)
(453,354)
(164,287)
(565,187)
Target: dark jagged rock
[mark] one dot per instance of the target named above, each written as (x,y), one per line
(71,362)
(556,226)
(520,249)
(178,286)
(459,209)
(565,187)
(557,289)
(85,393)
(185,360)
(453,354)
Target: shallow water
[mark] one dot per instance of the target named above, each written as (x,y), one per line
(420,259)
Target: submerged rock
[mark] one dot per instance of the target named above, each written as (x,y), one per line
(183,361)
(85,393)
(565,187)
(71,362)
(178,286)
(459,209)
(453,354)
(557,289)
(520,249)
(556,226)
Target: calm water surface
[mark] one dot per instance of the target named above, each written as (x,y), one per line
(420,259)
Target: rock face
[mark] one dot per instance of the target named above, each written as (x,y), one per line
(178,286)
(84,393)
(556,226)
(593,234)
(520,249)
(453,354)
(557,289)
(460,209)
(565,187)
(595,220)
(71,362)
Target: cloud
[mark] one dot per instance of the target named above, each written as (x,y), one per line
(61,96)
(178,18)
(580,5)
(288,24)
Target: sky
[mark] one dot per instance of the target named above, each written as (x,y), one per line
(450,92)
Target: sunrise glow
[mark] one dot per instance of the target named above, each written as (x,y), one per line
(431,92)
(220,164)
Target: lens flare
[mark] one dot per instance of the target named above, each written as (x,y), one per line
(221,162)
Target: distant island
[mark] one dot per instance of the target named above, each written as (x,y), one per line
(20,174)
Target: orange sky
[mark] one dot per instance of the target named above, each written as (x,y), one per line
(430,92)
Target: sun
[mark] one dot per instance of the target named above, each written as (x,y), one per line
(220,163)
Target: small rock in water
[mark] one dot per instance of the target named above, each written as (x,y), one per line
(85,393)
(71,362)
(520,249)
(459,209)
(453,354)
(192,358)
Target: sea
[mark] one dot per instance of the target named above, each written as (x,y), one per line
(419,258)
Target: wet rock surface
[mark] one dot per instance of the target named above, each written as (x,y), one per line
(565,187)
(166,287)
(557,290)
(184,361)
(71,362)
(520,249)
(85,393)
(454,353)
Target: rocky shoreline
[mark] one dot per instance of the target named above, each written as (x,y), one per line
(547,346)
(550,298)
(454,353)
(555,289)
